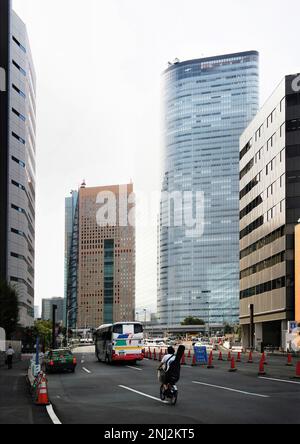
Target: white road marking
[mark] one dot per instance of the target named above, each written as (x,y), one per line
(86,370)
(52,415)
(280,380)
(231,390)
(134,368)
(142,394)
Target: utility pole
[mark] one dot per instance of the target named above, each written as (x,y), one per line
(54,308)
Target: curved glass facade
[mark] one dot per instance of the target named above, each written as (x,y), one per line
(208,104)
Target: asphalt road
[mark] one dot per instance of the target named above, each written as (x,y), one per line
(124,394)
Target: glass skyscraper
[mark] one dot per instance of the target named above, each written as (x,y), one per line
(208,104)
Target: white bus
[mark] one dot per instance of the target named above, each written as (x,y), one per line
(122,341)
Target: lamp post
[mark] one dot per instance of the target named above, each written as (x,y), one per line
(54,308)
(68,313)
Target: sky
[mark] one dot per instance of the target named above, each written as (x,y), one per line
(99,97)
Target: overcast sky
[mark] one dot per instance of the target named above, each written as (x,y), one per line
(99,65)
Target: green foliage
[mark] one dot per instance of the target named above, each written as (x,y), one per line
(9,308)
(193,321)
(228,329)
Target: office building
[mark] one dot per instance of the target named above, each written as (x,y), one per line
(47,309)
(101,272)
(208,104)
(17,160)
(269,213)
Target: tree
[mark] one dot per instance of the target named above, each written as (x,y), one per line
(9,308)
(43,330)
(193,321)
(228,329)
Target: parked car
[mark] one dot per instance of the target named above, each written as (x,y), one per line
(60,361)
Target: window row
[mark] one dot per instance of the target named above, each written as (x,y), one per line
(267,240)
(263,265)
(276,284)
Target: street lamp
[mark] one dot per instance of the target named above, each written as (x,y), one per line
(68,313)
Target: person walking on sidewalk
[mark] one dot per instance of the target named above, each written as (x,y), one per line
(9,356)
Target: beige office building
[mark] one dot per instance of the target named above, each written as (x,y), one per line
(270,210)
(106,256)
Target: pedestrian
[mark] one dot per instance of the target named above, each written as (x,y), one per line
(9,356)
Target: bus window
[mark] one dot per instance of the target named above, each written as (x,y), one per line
(138,329)
(118,329)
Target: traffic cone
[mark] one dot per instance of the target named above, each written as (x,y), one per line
(42,393)
(210,361)
(155,357)
(264,358)
(150,355)
(239,358)
(233,367)
(250,360)
(220,356)
(298,371)
(262,368)
(183,359)
(194,363)
(289,361)
(229,357)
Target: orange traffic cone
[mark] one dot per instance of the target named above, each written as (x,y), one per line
(194,363)
(239,358)
(210,361)
(42,393)
(289,361)
(220,356)
(150,355)
(155,357)
(233,367)
(262,368)
(183,359)
(250,360)
(229,357)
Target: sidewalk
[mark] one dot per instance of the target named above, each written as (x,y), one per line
(16,406)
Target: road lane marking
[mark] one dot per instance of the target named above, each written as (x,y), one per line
(86,370)
(52,415)
(231,390)
(142,394)
(134,368)
(280,380)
